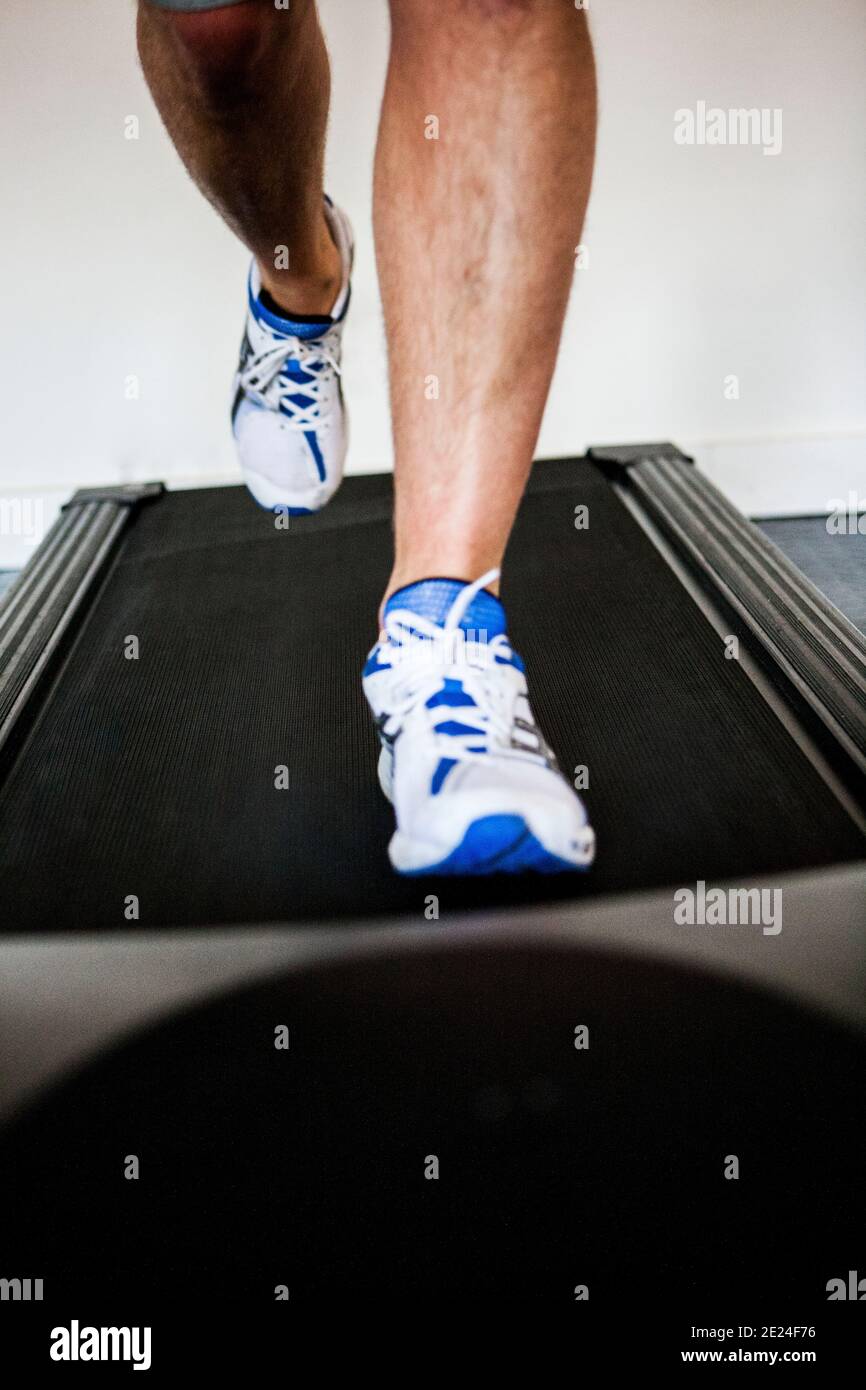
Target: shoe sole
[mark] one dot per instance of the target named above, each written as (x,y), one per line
(502,844)
(259,487)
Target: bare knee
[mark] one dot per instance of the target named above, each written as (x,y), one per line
(221,49)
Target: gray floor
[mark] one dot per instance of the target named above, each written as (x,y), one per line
(835,564)
(6,577)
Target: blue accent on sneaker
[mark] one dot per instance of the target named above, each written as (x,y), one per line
(451,694)
(297,398)
(283,509)
(513,660)
(443,768)
(289,328)
(373,664)
(498,844)
(294,372)
(433,598)
(312,440)
(453,726)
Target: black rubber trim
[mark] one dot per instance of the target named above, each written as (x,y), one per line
(615,459)
(817,649)
(123,494)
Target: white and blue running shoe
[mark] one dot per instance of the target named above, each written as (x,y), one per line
(475,788)
(288,415)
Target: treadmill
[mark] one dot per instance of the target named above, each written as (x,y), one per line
(343,1084)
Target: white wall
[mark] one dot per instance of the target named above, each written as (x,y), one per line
(703,262)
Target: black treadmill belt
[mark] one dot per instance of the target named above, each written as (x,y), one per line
(155,777)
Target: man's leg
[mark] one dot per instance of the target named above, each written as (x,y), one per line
(243,90)
(476,234)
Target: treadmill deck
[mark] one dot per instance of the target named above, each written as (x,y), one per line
(155,777)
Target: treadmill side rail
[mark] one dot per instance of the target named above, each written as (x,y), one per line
(814,646)
(40,608)
(616,459)
(123,494)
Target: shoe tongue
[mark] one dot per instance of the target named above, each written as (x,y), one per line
(433,599)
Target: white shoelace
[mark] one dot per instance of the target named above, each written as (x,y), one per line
(262,378)
(423,655)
